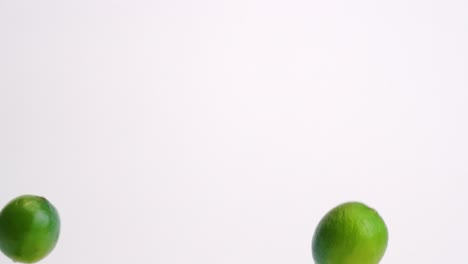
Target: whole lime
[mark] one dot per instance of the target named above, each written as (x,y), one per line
(351,233)
(29,228)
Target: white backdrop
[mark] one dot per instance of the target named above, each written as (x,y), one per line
(218,131)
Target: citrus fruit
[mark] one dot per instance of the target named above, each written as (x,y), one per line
(29,228)
(351,233)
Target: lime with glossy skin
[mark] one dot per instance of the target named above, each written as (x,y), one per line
(29,228)
(351,233)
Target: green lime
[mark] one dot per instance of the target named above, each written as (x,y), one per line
(351,233)
(29,228)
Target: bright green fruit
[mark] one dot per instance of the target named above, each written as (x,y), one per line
(351,233)
(29,228)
